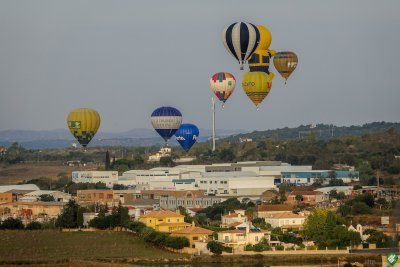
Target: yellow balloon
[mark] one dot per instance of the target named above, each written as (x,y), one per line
(265,38)
(83,124)
(257,85)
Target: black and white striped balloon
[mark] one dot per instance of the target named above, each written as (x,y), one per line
(241,40)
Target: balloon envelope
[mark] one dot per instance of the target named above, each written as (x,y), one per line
(257,85)
(265,38)
(166,121)
(223,84)
(83,124)
(285,63)
(241,40)
(187,135)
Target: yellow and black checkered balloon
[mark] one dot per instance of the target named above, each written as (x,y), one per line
(83,124)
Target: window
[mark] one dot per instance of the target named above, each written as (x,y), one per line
(195,238)
(256,238)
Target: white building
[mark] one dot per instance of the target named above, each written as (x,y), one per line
(163,152)
(108,177)
(286,220)
(233,219)
(35,196)
(234,184)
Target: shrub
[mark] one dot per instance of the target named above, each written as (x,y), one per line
(12,224)
(176,242)
(34,226)
(215,247)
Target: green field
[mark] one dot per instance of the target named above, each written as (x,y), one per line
(54,246)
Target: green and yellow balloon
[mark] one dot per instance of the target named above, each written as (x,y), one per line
(83,124)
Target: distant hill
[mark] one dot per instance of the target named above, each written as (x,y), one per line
(61,138)
(320,131)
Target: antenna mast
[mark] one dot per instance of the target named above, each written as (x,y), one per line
(213,122)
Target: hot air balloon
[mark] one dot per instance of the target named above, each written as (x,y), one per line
(187,135)
(166,121)
(222,84)
(241,40)
(285,63)
(83,124)
(260,60)
(257,85)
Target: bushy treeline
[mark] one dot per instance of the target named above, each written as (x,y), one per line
(16,224)
(158,238)
(119,217)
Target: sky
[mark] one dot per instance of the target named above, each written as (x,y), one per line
(126,58)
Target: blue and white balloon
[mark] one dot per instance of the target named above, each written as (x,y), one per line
(187,135)
(166,121)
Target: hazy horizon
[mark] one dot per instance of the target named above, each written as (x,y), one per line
(125,59)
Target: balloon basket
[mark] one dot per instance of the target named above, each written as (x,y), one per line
(241,67)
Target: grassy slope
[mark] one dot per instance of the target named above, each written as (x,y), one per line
(15,173)
(34,246)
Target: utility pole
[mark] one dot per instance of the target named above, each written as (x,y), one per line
(213,121)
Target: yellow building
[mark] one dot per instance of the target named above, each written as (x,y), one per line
(164,221)
(195,235)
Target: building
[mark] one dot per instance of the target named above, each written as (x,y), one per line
(101,196)
(311,176)
(108,177)
(34,196)
(164,221)
(286,220)
(347,190)
(6,197)
(263,211)
(87,217)
(233,219)
(307,197)
(238,239)
(31,211)
(139,207)
(234,184)
(198,237)
(163,152)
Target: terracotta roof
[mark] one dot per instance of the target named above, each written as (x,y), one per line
(292,226)
(174,224)
(285,215)
(193,230)
(278,207)
(195,209)
(161,214)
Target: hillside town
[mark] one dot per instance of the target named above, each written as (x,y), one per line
(219,208)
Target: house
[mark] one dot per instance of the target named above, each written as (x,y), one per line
(35,196)
(197,236)
(238,239)
(229,219)
(102,196)
(306,197)
(6,197)
(31,211)
(358,229)
(164,221)
(263,211)
(286,220)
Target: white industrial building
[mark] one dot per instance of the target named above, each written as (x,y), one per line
(108,177)
(228,179)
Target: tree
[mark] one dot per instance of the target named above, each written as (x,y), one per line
(46,198)
(107,163)
(215,247)
(69,216)
(12,224)
(166,162)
